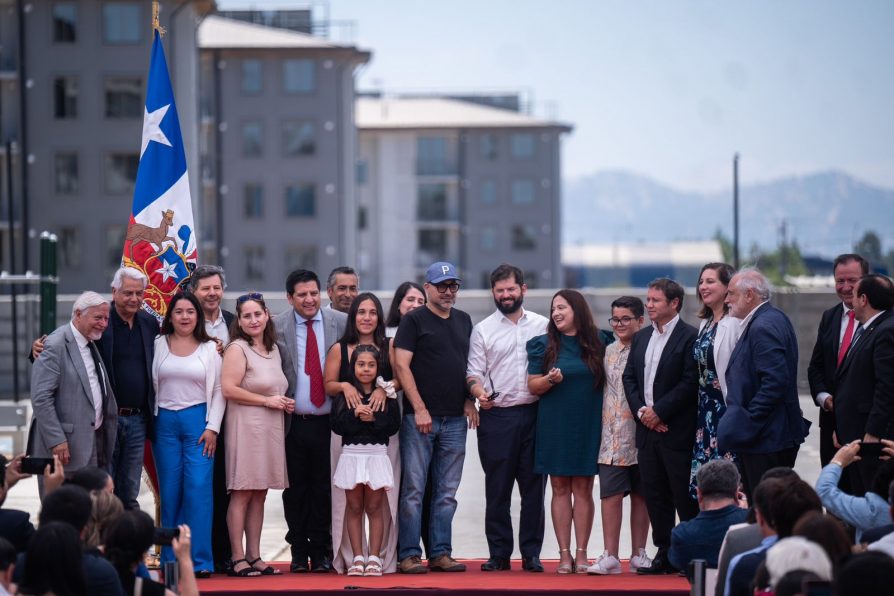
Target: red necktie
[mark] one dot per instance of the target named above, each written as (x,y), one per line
(312,367)
(848,336)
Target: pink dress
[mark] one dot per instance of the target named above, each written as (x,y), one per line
(256,452)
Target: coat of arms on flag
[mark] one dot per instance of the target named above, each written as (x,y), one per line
(161,240)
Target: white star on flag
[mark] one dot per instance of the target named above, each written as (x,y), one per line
(167,271)
(152,128)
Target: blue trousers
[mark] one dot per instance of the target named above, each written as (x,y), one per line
(185,479)
(444,450)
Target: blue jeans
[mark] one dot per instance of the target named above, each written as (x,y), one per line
(127,459)
(444,449)
(185,479)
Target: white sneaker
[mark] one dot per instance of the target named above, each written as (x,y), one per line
(605,565)
(640,560)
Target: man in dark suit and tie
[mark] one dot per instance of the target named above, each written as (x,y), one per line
(836,330)
(660,382)
(763,422)
(75,412)
(304,334)
(864,404)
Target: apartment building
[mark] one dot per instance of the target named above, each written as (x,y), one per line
(279,146)
(457,179)
(79,70)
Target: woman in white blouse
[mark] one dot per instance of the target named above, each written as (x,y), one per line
(189,408)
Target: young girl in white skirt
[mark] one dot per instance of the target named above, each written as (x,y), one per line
(364,471)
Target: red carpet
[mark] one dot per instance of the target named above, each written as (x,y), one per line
(473,581)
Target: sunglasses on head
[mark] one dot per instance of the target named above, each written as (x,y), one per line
(249,296)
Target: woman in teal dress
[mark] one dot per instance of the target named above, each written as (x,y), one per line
(565,370)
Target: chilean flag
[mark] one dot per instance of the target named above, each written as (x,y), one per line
(161,240)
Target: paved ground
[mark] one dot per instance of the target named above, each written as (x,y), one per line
(468,538)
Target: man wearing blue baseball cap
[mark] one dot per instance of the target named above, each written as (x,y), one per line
(431,349)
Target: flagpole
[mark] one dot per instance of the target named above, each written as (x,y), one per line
(156,26)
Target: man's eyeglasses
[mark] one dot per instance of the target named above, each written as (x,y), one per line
(443,288)
(249,296)
(615,321)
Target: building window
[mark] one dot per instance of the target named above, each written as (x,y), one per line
(252,139)
(362,218)
(532,280)
(522,192)
(299,76)
(523,145)
(254,201)
(489,147)
(301,200)
(66,173)
(431,204)
(254,263)
(65,98)
(433,243)
(298,138)
(524,237)
(124,97)
(488,192)
(70,247)
(361,172)
(121,173)
(488,238)
(114,247)
(65,21)
(121,23)
(252,77)
(301,257)
(432,157)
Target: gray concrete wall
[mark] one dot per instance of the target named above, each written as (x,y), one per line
(804,308)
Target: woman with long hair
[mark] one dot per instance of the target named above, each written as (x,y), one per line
(565,370)
(717,336)
(54,562)
(254,386)
(189,408)
(408,296)
(129,537)
(365,326)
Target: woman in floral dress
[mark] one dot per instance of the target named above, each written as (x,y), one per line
(716,339)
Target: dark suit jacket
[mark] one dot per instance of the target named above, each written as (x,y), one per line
(865,382)
(16,527)
(675,390)
(148,330)
(824,360)
(763,414)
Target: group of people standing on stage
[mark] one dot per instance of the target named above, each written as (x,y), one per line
(357,413)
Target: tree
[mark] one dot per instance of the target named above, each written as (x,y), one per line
(870,247)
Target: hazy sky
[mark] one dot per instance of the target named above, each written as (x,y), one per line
(670,89)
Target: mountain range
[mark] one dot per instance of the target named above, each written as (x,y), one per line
(825,212)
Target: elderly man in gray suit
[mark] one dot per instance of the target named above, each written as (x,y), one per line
(304,334)
(75,413)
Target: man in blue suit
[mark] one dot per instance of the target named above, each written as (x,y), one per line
(763,423)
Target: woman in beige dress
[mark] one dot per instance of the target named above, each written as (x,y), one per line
(254,385)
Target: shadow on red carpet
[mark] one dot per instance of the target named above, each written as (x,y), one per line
(472,582)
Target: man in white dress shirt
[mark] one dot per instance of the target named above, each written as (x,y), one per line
(75,413)
(497,377)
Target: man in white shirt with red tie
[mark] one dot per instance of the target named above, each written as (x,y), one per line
(496,377)
(836,330)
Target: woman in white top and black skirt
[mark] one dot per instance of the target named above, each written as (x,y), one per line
(189,408)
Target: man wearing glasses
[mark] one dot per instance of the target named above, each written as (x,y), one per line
(431,349)
(496,376)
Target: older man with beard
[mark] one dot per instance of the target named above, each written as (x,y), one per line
(431,353)
(496,377)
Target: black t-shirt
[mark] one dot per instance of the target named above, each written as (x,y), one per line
(440,350)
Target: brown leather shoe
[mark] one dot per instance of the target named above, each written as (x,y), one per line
(412,565)
(445,563)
